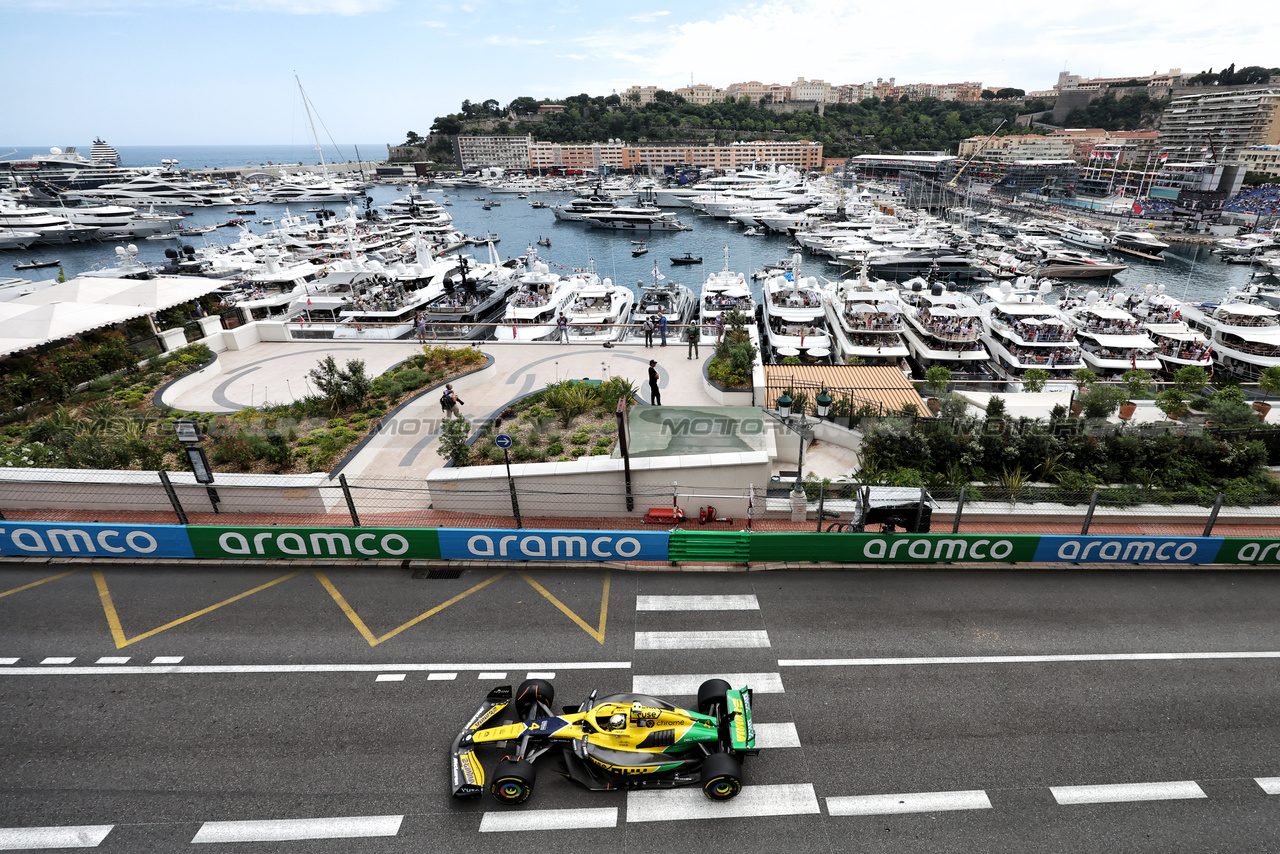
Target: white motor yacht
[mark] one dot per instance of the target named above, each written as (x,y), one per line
(943,327)
(598,311)
(1139,243)
(535,307)
(672,300)
(795,317)
(12,239)
(1085,237)
(52,230)
(1244,331)
(1111,339)
(722,292)
(1022,331)
(866,317)
(1177,344)
(634,219)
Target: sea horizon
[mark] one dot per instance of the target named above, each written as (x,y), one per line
(217,156)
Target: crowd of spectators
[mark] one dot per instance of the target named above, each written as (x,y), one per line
(1264,199)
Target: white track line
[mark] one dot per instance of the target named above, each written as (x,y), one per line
(491,675)
(1124,792)
(59,660)
(167,659)
(543,674)
(441,677)
(390,677)
(204,669)
(37,838)
(733,602)
(113,659)
(500,822)
(8,661)
(777,735)
(914,802)
(687,685)
(1021,659)
(1270,785)
(299,828)
(702,640)
(690,804)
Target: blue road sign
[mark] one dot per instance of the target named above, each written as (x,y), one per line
(502,440)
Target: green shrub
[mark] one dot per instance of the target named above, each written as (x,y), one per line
(580,437)
(495,454)
(604,442)
(555,449)
(411,379)
(522,453)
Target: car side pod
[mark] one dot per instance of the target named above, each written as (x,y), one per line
(466,770)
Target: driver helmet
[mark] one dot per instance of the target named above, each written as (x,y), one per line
(618,721)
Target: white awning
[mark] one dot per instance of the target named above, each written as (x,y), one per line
(28,326)
(942,311)
(1178,335)
(1124,342)
(1031,321)
(1248,308)
(1107,312)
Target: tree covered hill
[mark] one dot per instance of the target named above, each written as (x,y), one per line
(868,127)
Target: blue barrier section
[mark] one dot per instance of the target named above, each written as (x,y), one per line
(66,539)
(1146,550)
(490,544)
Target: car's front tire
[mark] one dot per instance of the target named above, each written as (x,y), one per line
(531,690)
(721,777)
(513,781)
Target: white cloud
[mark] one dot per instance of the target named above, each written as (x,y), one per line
(435,24)
(344,8)
(512,41)
(647,17)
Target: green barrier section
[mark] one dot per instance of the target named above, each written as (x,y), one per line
(364,543)
(892,548)
(1243,550)
(695,546)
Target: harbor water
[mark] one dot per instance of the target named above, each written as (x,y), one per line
(1189,272)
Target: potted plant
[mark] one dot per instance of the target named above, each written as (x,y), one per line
(1270,383)
(936,379)
(1172,402)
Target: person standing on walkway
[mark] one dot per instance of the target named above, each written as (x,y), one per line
(662,327)
(648,331)
(655,396)
(563,325)
(691,334)
(449,401)
(719,328)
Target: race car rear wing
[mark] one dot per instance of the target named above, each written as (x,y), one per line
(466,770)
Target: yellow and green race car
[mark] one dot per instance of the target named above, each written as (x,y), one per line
(622,741)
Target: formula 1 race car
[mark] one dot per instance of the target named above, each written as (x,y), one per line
(622,741)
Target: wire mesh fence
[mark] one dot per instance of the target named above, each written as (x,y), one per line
(319,500)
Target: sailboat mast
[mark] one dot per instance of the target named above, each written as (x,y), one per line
(324,168)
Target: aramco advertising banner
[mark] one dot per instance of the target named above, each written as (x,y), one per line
(72,540)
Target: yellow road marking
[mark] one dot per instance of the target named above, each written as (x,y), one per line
(38,583)
(117,630)
(373,639)
(598,634)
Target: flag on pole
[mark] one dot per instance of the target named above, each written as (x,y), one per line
(1137,209)
(1164,157)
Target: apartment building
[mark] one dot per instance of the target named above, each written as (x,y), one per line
(1198,126)
(1262,158)
(507,152)
(812,90)
(1068,81)
(701,93)
(640,95)
(1009,148)
(583,158)
(801,154)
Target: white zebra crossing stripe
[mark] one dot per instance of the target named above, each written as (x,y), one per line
(687,685)
(1126,792)
(702,640)
(8,661)
(39,838)
(167,659)
(1270,785)
(390,677)
(732,602)
(689,804)
(59,660)
(352,827)
(113,659)
(913,802)
(777,735)
(524,820)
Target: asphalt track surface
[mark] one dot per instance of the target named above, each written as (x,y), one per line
(162,710)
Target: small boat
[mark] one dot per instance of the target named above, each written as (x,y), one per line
(479,198)
(538,205)
(170,236)
(545,242)
(266,221)
(36,265)
(496,203)
(639,250)
(244,211)
(688,258)
(196,230)
(186,213)
(486,207)
(751,232)
(523,196)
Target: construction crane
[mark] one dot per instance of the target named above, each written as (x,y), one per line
(951,185)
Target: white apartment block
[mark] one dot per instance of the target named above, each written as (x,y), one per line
(701,93)
(1230,123)
(643,95)
(1019,148)
(507,152)
(812,90)
(585,156)
(1262,158)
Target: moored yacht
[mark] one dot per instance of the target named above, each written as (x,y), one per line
(1069,264)
(598,311)
(723,291)
(535,307)
(1139,243)
(672,300)
(943,327)
(52,230)
(1245,333)
(1111,339)
(1177,344)
(1022,331)
(1084,237)
(794,317)
(634,219)
(865,315)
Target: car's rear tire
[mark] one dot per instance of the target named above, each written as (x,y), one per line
(714,692)
(721,777)
(531,690)
(513,781)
